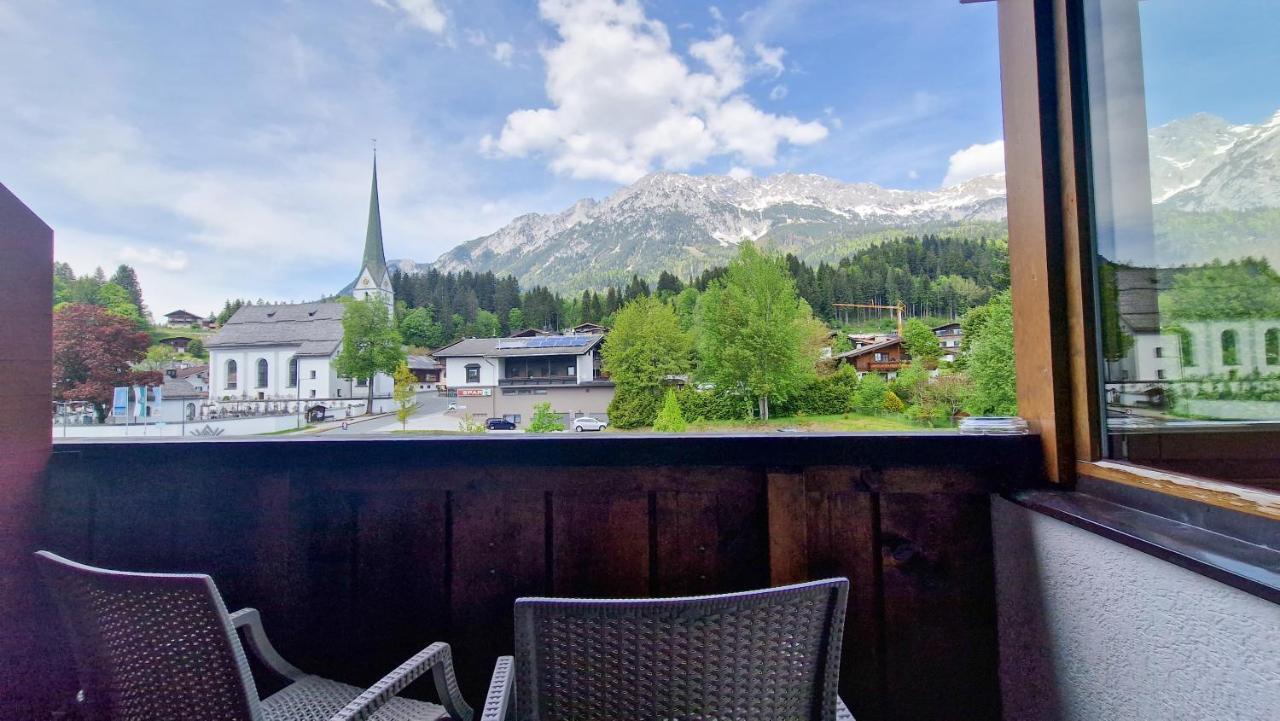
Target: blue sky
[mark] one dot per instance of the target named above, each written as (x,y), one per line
(223,148)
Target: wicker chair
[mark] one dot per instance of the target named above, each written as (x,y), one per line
(158,646)
(771,655)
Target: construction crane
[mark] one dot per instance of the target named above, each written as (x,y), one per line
(899,310)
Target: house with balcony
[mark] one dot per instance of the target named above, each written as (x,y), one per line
(949,336)
(885,357)
(507,377)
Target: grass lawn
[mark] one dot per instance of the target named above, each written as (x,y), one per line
(848,423)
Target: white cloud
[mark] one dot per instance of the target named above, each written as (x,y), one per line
(738,172)
(623,101)
(975,160)
(778,93)
(476,37)
(770,58)
(426,14)
(170,260)
(502,52)
(913,174)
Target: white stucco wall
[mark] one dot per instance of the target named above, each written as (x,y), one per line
(1091,630)
(456,371)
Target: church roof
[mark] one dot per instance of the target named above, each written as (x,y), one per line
(315,328)
(374,257)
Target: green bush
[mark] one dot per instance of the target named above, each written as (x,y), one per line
(869,398)
(544,420)
(823,396)
(632,408)
(713,406)
(670,419)
(892,403)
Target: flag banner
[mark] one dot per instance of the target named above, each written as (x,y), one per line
(156,397)
(120,401)
(140,402)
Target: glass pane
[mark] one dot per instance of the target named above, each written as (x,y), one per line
(1185,154)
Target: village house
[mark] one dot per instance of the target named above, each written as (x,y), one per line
(506,377)
(885,357)
(426,370)
(949,336)
(181,319)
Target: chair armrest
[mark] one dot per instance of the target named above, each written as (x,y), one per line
(436,657)
(501,691)
(251,620)
(842,711)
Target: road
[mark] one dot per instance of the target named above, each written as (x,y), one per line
(430,415)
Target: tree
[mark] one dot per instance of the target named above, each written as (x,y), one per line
(487,325)
(757,335)
(991,361)
(93,352)
(370,345)
(404,394)
(670,419)
(544,419)
(869,398)
(645,348)
(920,342)
(196,348)
(419,329)
(126,278)
(940,399)
(892,403)
(515,320)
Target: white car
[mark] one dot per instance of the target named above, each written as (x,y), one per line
(587,423)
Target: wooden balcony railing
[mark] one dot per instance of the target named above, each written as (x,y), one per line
(360,552)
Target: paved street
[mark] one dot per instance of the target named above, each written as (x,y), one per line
(431,415)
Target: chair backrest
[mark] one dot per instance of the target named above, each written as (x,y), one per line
(771,654)
(151,646)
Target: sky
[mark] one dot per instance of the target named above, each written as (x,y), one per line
(224,149)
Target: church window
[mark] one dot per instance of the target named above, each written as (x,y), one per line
(293,372)
(231,374)
(262,372)
(473,373)
(1230,351)
(362,382)
(1272,342)
(313,375)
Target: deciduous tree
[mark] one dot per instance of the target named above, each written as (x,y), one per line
(370,345)
(544,419)
(93,352)
(404,394)
(757,336)
(645,348)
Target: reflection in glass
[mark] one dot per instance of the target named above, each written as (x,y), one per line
(1185,169)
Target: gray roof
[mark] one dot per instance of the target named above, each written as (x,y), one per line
(423,362)
(1137,294)
(315,328)
(177,388)
(474,347)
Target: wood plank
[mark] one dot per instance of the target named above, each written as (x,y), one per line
(939,607)
(600,545)
(1235,497)
(400,596)
(843,541)
(323,531)
(788,540)
(687,544)
(499,553)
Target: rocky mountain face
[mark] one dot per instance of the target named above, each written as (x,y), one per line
(1213,166)
(1201,167)
(684,223)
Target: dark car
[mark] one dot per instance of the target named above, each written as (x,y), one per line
(499,424)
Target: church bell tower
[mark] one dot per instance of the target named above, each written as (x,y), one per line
(374,279)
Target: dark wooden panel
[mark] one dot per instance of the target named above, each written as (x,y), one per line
(843,541)
(600,545)
(401,599)
(788,540)
(323,531)
(499,554)
(687,542)
(939,607)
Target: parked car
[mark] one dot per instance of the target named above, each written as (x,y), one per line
(499,424)
(587,423)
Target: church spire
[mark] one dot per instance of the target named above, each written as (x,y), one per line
(374,279)
(375,260)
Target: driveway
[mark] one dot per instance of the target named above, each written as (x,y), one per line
(430,415)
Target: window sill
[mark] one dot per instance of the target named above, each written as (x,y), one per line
(1224,532)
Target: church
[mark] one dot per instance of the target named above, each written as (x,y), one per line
(272,358)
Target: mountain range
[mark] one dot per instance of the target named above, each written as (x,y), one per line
(1205,174)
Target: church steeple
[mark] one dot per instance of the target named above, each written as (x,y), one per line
(374,279)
